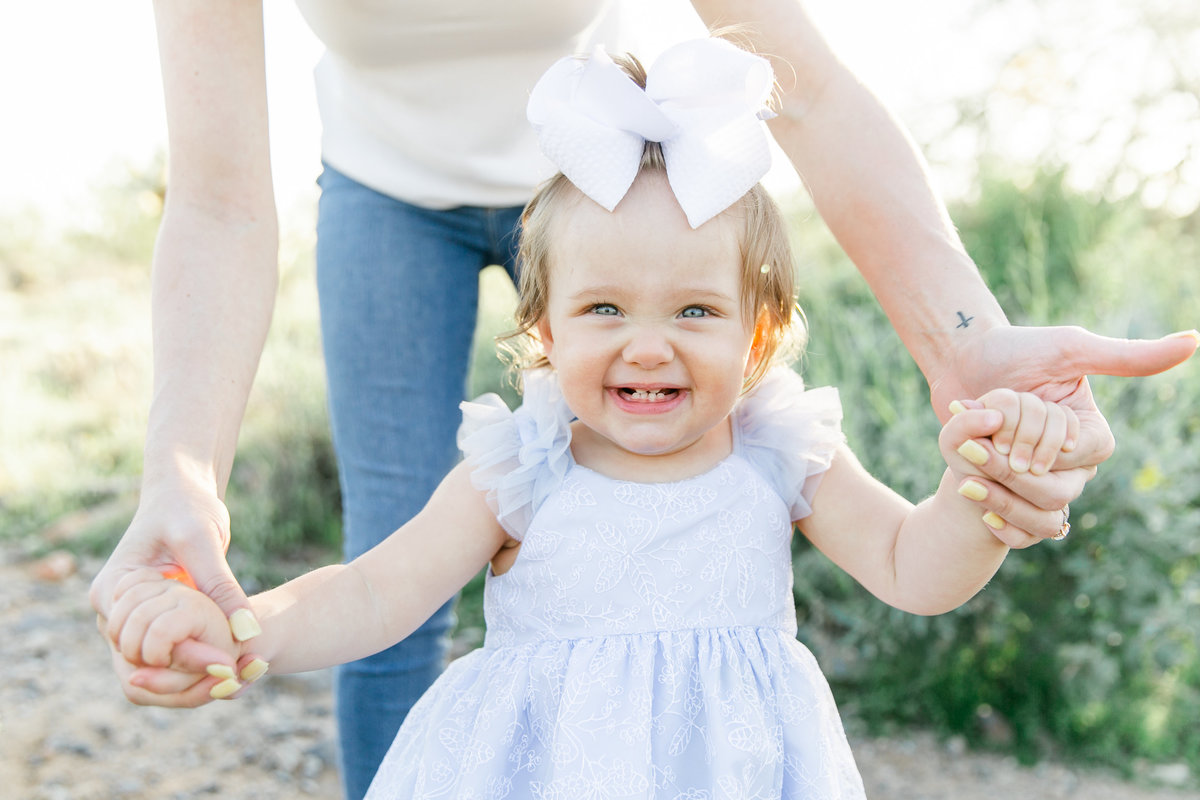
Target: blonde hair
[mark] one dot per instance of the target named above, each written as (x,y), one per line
(767,275)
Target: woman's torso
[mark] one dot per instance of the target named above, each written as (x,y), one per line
(425,100)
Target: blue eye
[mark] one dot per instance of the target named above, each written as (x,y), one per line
(694,312)
(605,309)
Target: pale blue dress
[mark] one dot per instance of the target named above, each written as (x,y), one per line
(643,644)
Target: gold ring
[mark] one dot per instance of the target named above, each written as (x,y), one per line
(1066,526)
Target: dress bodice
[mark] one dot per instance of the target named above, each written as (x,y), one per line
(605,557)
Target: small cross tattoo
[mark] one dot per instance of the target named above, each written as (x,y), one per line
(964,321)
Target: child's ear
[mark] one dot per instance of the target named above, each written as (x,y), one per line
(546,338)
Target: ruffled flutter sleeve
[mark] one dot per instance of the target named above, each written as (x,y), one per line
(517,457)
(790,434)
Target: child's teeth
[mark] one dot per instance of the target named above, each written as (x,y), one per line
(653,395)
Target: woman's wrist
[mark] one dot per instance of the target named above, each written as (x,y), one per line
(171,465)
(941,349)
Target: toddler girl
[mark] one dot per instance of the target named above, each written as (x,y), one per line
(637,510)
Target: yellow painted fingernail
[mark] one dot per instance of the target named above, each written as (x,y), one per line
(243,625)
(973,451)
(956,407)
(224,689)
(254,670)
(222,671)
(992,521)
(973,490)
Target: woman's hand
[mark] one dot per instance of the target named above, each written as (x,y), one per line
(175,527)
(1053,363)
(1020,506)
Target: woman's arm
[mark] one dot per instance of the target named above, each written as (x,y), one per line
(213,291)
(871,186)
(868,181)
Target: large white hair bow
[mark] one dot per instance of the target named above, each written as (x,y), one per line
(705,102)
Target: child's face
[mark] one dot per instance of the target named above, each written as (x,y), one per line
(645,327)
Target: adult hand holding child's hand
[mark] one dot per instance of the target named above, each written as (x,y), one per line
(176,527)
(1020,507)
(1053,363)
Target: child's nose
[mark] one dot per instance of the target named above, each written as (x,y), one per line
(648,347)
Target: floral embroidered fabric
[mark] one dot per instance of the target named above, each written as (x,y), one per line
(643,643)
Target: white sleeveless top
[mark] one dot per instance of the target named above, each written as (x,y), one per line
(424,100)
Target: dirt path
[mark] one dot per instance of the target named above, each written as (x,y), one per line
(66,732)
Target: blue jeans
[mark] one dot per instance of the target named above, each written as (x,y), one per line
(398,289)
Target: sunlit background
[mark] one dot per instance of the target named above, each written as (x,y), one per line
(1107,86)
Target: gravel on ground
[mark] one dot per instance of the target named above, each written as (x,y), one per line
(67,732)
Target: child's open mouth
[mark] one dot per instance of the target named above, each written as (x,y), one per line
(645,399)
(648,395)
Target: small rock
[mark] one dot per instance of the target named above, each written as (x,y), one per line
(1171,774)
(128,787)
(56,566)
(997,731)
(311,766)
(287,758)
(59,744)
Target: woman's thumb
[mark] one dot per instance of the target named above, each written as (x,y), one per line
(1092,354)
(212,576)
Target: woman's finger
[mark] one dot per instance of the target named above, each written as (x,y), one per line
(1010,518)
(154,686)
(1019,513)
(1011,535)
(979,457)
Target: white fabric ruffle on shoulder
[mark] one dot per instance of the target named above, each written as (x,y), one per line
(518,457)
(790,434)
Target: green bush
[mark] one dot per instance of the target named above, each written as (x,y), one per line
(1089,646)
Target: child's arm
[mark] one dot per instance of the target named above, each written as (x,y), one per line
(345,612)
(932,557)
(329,616)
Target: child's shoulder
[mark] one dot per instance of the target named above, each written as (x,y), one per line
(517,456)
(780,405)
(788,433)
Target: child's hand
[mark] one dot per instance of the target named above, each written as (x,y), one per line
(170,628)
(1020,499)
(1033,432)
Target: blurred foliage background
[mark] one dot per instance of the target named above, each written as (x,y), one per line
(1086,649)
